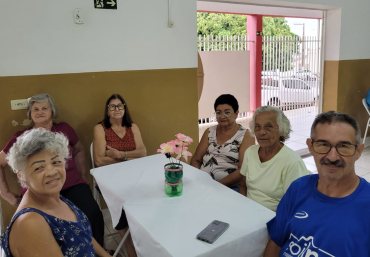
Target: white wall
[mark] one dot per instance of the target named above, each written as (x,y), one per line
(333,34)
(224,73)
(40,37)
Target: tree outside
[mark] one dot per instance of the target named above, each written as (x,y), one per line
(219,24)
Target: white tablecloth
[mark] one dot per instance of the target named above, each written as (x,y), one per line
(167,226)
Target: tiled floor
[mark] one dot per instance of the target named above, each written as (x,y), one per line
(301,121)
(111,242)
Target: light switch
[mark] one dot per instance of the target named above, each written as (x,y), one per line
(19,104)
(78,16)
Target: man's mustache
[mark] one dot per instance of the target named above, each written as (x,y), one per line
(337,163)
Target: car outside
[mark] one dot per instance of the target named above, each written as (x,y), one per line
(305,75)
(286,92)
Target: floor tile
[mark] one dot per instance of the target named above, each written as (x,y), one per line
(367,177)
(309,160)
(311,167)
(361,171)
(363,163)
(106,230)
(297,138)
(366,151)
(111,244)
(295,146)
(304,132)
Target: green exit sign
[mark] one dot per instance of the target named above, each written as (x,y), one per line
(105,4)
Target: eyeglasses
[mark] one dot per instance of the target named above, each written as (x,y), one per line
(226,114)
(343,149)
(112,107)
(267,127)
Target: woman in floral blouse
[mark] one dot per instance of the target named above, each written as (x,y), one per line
(45,223)
(221,150)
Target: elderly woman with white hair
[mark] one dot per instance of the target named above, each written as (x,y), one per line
(43,112)
(45,223)
(270,167)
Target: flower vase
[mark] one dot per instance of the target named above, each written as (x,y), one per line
(173,183)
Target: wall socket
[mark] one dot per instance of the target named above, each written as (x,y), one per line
(78,16)
(19,104)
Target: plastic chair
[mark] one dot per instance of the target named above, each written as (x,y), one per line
(97,199)
(367,107)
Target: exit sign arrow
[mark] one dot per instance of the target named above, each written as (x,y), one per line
(112,3)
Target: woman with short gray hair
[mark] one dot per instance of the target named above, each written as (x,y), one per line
(45,223)
(270,167)
(43,111)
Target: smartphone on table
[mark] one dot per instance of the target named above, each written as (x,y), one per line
(213,231)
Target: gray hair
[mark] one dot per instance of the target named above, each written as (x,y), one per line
(282,121)
(331,117)
(33,142)
(42,98)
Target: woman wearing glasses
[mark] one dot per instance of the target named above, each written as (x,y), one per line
(221,149)
(270,167)
(118,139)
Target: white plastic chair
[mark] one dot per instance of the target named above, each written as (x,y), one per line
(97,199)
(367,107)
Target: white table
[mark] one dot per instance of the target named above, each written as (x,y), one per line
(167,226)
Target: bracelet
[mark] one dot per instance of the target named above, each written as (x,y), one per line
(126,156)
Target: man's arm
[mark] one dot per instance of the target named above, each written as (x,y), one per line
(79,154)
(272,249)
(11,198)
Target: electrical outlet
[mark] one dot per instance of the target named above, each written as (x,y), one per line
(78,16)
(19,104)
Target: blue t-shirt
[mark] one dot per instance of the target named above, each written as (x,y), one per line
(309,223)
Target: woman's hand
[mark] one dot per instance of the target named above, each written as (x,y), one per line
(113,153)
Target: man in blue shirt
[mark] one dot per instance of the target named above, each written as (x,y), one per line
(325,214)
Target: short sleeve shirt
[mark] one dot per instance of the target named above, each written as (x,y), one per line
(73,177)
(268,181)
(309,223)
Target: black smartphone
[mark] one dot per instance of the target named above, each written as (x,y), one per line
(213,231)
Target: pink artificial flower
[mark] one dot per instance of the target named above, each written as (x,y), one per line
(184,138)
(168,147)
(178,142)
(180,149)
(182,153)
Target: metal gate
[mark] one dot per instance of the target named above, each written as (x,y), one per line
(291,68)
